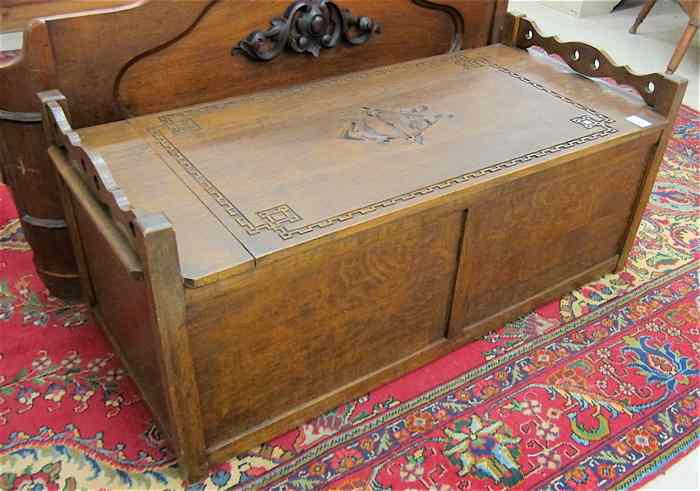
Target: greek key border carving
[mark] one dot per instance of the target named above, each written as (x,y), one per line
(592,119)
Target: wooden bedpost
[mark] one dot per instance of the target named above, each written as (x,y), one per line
(24,163)
(663,93)
(159,359)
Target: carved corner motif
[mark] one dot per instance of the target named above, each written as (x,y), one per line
(589,122)
(307,27)
(279,215)
(387,126)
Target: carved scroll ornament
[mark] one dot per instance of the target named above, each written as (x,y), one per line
(307,27)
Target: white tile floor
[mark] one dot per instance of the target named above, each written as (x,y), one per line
(648,51)
(10,41)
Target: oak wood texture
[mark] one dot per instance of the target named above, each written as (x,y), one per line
(244,157)
(578,217)
(674,104)
(662,92)
(154,55)
(409,291)
(325,238)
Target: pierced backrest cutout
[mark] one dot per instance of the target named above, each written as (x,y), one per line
(89,165)
(592,62)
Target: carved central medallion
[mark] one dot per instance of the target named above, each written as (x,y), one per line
(387,126)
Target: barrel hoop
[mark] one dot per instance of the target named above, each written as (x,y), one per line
(52,223)
(17,117)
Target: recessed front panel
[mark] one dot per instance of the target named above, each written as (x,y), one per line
(534,233)
(302,327)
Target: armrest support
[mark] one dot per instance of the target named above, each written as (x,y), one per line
(658,91)
(79,191)
(130,268)
(87,163)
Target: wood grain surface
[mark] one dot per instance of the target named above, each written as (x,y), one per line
(269,173)
(260,259)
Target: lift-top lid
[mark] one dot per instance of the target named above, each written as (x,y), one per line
(254,177)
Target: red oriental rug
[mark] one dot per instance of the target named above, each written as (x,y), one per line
(596,390)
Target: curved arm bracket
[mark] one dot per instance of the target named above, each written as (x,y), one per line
(656,89)
(88,163)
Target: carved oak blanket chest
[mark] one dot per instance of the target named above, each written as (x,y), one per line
(260,259)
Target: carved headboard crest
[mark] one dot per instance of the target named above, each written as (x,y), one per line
(306,27)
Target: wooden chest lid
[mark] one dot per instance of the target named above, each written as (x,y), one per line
(253,178)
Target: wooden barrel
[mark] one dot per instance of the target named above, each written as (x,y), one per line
(27,171)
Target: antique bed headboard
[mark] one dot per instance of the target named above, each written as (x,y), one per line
(156,55)
(160,54)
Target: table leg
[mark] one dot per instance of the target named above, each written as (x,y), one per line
(648,5)
(682,47)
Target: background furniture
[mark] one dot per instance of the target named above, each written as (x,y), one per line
(582,8)
(256,260)
(690,7)
(23,164)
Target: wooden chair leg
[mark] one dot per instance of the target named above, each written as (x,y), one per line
(682,47)
(646,8)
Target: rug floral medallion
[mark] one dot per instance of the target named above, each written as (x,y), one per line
(597,390)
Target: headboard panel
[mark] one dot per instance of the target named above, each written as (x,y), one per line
(160,54)
(200,66)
